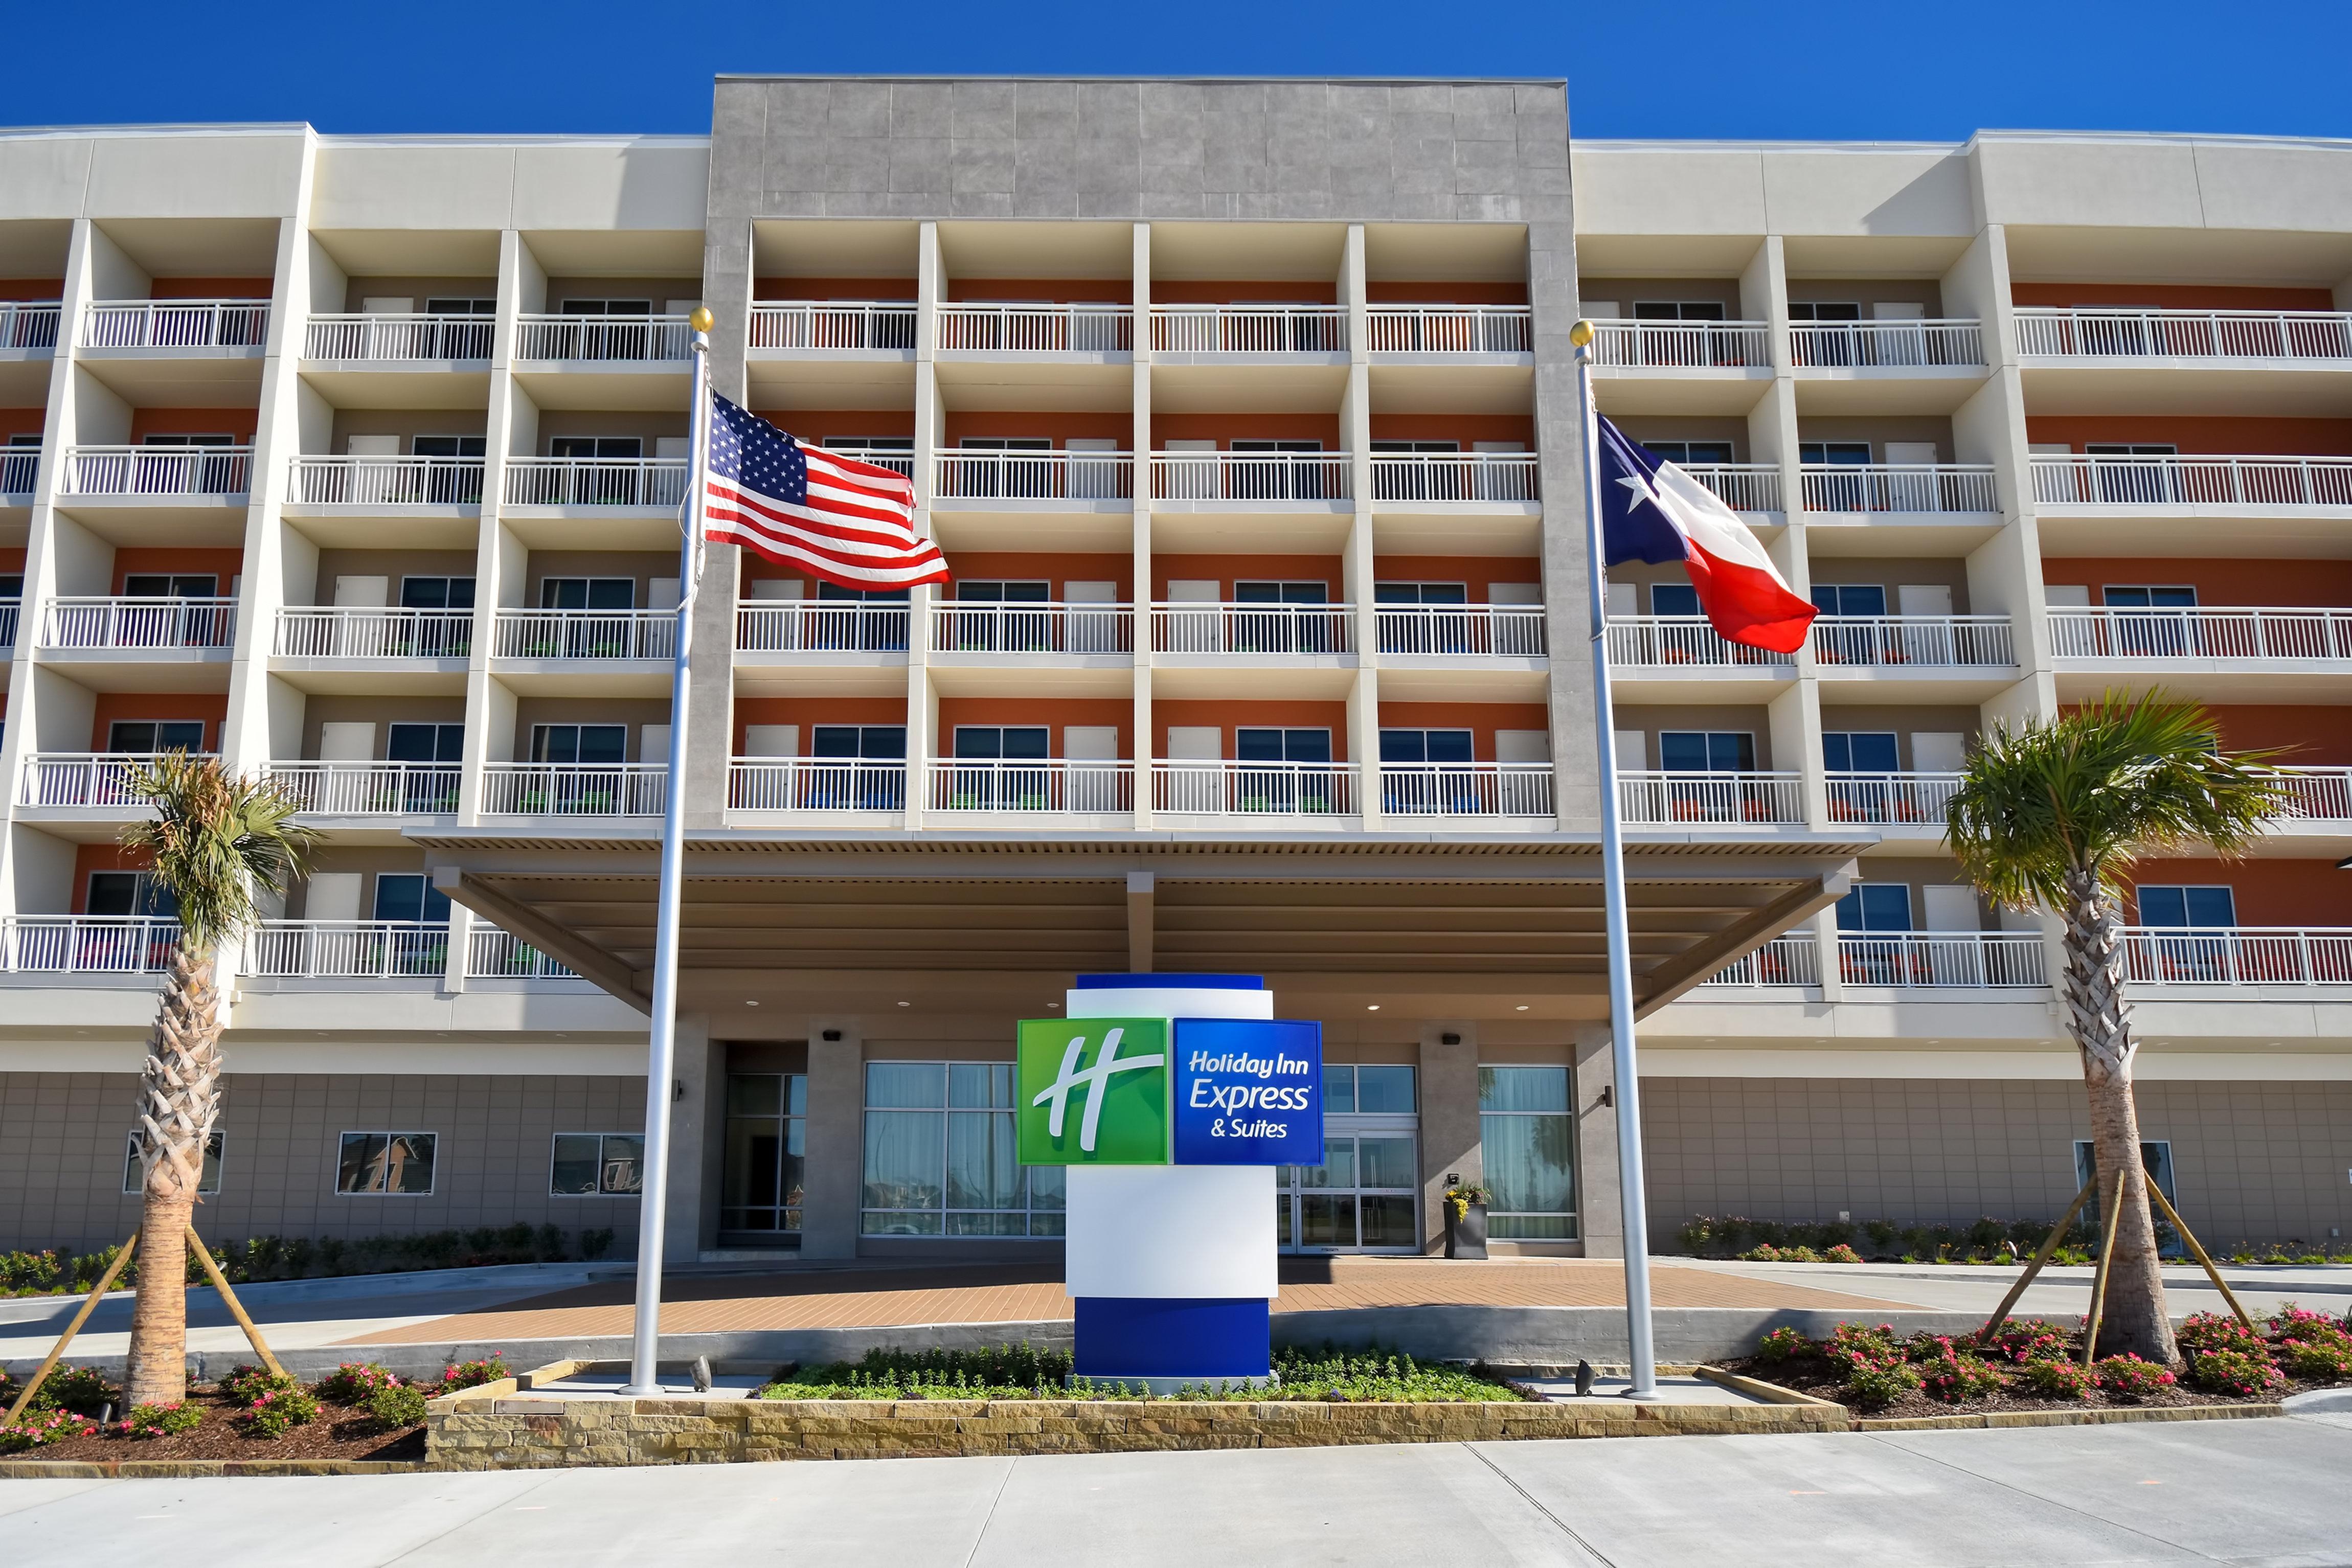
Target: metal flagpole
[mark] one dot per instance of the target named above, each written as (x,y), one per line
(1642,1352)
(662,1042)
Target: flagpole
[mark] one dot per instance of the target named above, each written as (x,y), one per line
(1642,1354)
(661,1053)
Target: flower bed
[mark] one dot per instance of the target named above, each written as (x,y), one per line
(56,1273)
(358,1412)
(1020,1372)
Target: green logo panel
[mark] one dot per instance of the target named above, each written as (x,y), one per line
(1093,1091)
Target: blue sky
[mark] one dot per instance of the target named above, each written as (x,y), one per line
(1888,71)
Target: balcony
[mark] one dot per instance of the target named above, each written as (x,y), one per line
(372,483)
(1687,799)
(1023,330)
(1046,785)
(1892,800)
(2237,955)
(1459,479)
(1254,630)
(604,339)
(1318,479)
(1893,347)
(2232,487)
(1252,329)
(147,324)
(90,781)
(27,326)
(821,626)
(574,789)
(585,634)
(1256,791)
(369,789)
(1911,641)
(833,326)
(2317,337)
(1461,631)
(1048,628)
(1753,487)
(1451,330)
(8,609)
(1794,959)
(1685,643)
(347,951)
(645,483)
(1708,346)
(158,473)
(87,944)
(2200,633)
(1912,960)
(1476,792)
(19,469)
(409,339)
(178,626)
(1033,479)
(1899,488)
(815,784)
(322,632)
(2319,796)
(494,955)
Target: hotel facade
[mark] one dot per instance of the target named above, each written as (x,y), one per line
(1244,412)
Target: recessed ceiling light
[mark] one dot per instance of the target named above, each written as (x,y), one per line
(1053,1004)
(1523,1007)
(751,1004)
(906,1004)
(1371,1006)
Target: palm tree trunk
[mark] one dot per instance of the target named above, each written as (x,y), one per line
(178,1099)
(2134,1321)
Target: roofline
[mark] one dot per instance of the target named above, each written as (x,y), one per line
(1976,139)
(1172,80)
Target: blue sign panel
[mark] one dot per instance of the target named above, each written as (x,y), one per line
(1249,1092)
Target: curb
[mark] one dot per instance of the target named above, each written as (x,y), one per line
(2005,1418)
(174,1470)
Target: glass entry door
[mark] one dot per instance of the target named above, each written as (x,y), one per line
(1361,1198)
(766,1118)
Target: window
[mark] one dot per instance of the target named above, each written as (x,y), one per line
(1425,771)
(870,742)
(142,736)
(980,743)
(869,772)
(1875,907)
(207,1180)
(1362,1197)
(1420,630)
(1368,1090)
(169,585)
(1677,310)
(1849,751)
(2147,596)
(446,305)
(765,1159)
(870,620)
(425,743)
(595,446)
(896,453)
(1410,745)
(1842,453)
(1263,593)
(588,594)
(601,744)
(980,630)
(1850,599)
(594,1165)
(1710,751)
(130,892)
(1823,310)
(608,307)
(2198,908)
(939,1155)
(2156,1159)
(1689,452)
(1419,593)
(1290,480)
(1528,1133)
(2133,472)
(437,593)
(1673,599)
(984,592)
(609,475)
(386,1165)
(411,897)
(12,585)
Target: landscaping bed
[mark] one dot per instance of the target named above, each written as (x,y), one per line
(1020,1372)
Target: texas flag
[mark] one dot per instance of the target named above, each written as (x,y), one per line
(1651,510)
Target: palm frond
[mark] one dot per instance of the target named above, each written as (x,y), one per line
(218,841)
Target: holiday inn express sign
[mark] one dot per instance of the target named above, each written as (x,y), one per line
(1104,1092)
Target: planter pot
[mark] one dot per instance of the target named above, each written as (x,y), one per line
(1465,1237)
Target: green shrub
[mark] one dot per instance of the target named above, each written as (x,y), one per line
(2316,1360)
(41,1428)
(2233,1371)
(244,1384)
(162,1420)
(353,1382)
(396,1405)
(2025,1340)
(279,1411)
(473,1373)
(1784,1345)
(594,1244)
(1023,1371)
(34,1271)
(1874,1385)
(1882,1232)
(1955,1376)
(83,1390)
(2205,1331)
(2291,1322)
(2129,1377)
(2058,1378)
(1840,1253)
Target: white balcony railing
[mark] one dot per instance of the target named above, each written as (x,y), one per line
(19,469)
(1251,476)
(1247,629)
(87,944)
(1961,640)
(494,955)
(596,482)
(962,476)
(821,626)
(1454,477)
(28,324)
(156,624)
(1975,959)
(159,471)
(2176,481)
(2199,632)
(2123,332)
(1899,488)
(1794,959)
(1682,345)
(1672,640)
(324,631)
(347,949)
(1451,330)
(387,481)
(1889,345)
(1742,486)
(100,779)
(369,789)
(574,789)
(2317,794)
(175,324)
(1043,785)
(1472,631)
(639,340)
(1037,329)
(409,338)
(585,634)
(1898,799)
(8,609)
(833,324)
(1467,789)
(1702,797)
(2237,955)
(815,784)
(1223,788)
(1249,329)
(989,628)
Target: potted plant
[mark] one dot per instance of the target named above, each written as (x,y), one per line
(1466,1221)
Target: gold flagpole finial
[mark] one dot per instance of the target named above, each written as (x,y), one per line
(700,320)
(1580,334)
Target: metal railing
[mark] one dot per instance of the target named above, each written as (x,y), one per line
(1742,486)
(494,955)
(2317,794)
(156,471)
(175,324)
(1477,630)
(138,623)
(585,634)
(2122,333)
(2197,632)
(28,324)
(958,627)
(964,475)
(574,789)
(347,949)
(640,339)
(1251,476)
(1079,328)
(1467,789)
(1899,488)
(8,609)
(595,481)
(1454,477)
(1225,789)
(1682,345)
(1248,629)
(387,481)
(1451,330)
(821,626)
(1678,640)
(406,337)
(2237,955)
(1910,959)
(815,784)
(833,324)
(87,779)
(1794,959)
(1679,798)
(1966,640)
(1874,345)
(1899,800)
(1249,329)
(306,631)
(2093,480)
(1045,784)
(369,789)
(19,467)
(87,944)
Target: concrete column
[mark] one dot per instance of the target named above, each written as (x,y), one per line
(693,1071)
(711,691)
(1449,1122)
(930,425)
(500,560)
(836,1139)
(1600,1212)
(1144,747)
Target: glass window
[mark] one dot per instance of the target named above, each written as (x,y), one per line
(1859,752)
(381,1165)
(1875,907)
(1282,745)
(591,1164)
(764,1162)
(437,593)
(2201,907)
(1688,451)
(940,1154)
(410,897)
(1850,599)
(1713,751)
(1673,599)
(1338,1088)
(1384,1090)
(590,743)
(207,1180)
(1852,453)
(1528,1136)
(140,737)
(1362,1197)
(130,892)
(425,743)
(1426,745)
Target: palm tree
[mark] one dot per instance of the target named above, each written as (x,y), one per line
(2053,815)
(217,843)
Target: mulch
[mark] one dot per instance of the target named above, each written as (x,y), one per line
(1821,1377)
(340,1432)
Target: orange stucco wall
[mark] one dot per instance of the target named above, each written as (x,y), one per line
(819,425)
(1464,428)
(233,422)
(2281,437)
(210,706)
(1056,427)
(1475,570)
(834,289)
(807,711)
(20,422)
(1057,290)
(2313,736)
(1228,569)
(1481,719)
(1055,713)
(2267,891)
(1198,291)
(32,287)
(89,858)
(2172,295)
(2251,581)
(1419,292)
(1224,428)
(225,564)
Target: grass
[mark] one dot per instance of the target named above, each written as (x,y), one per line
(1023,1372)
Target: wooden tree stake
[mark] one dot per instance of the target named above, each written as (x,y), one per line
(2099,1279)
(2211,1272)
(220,1283)
(97,1294)
(2049,1245)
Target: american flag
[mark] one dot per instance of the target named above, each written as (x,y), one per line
(840,520)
